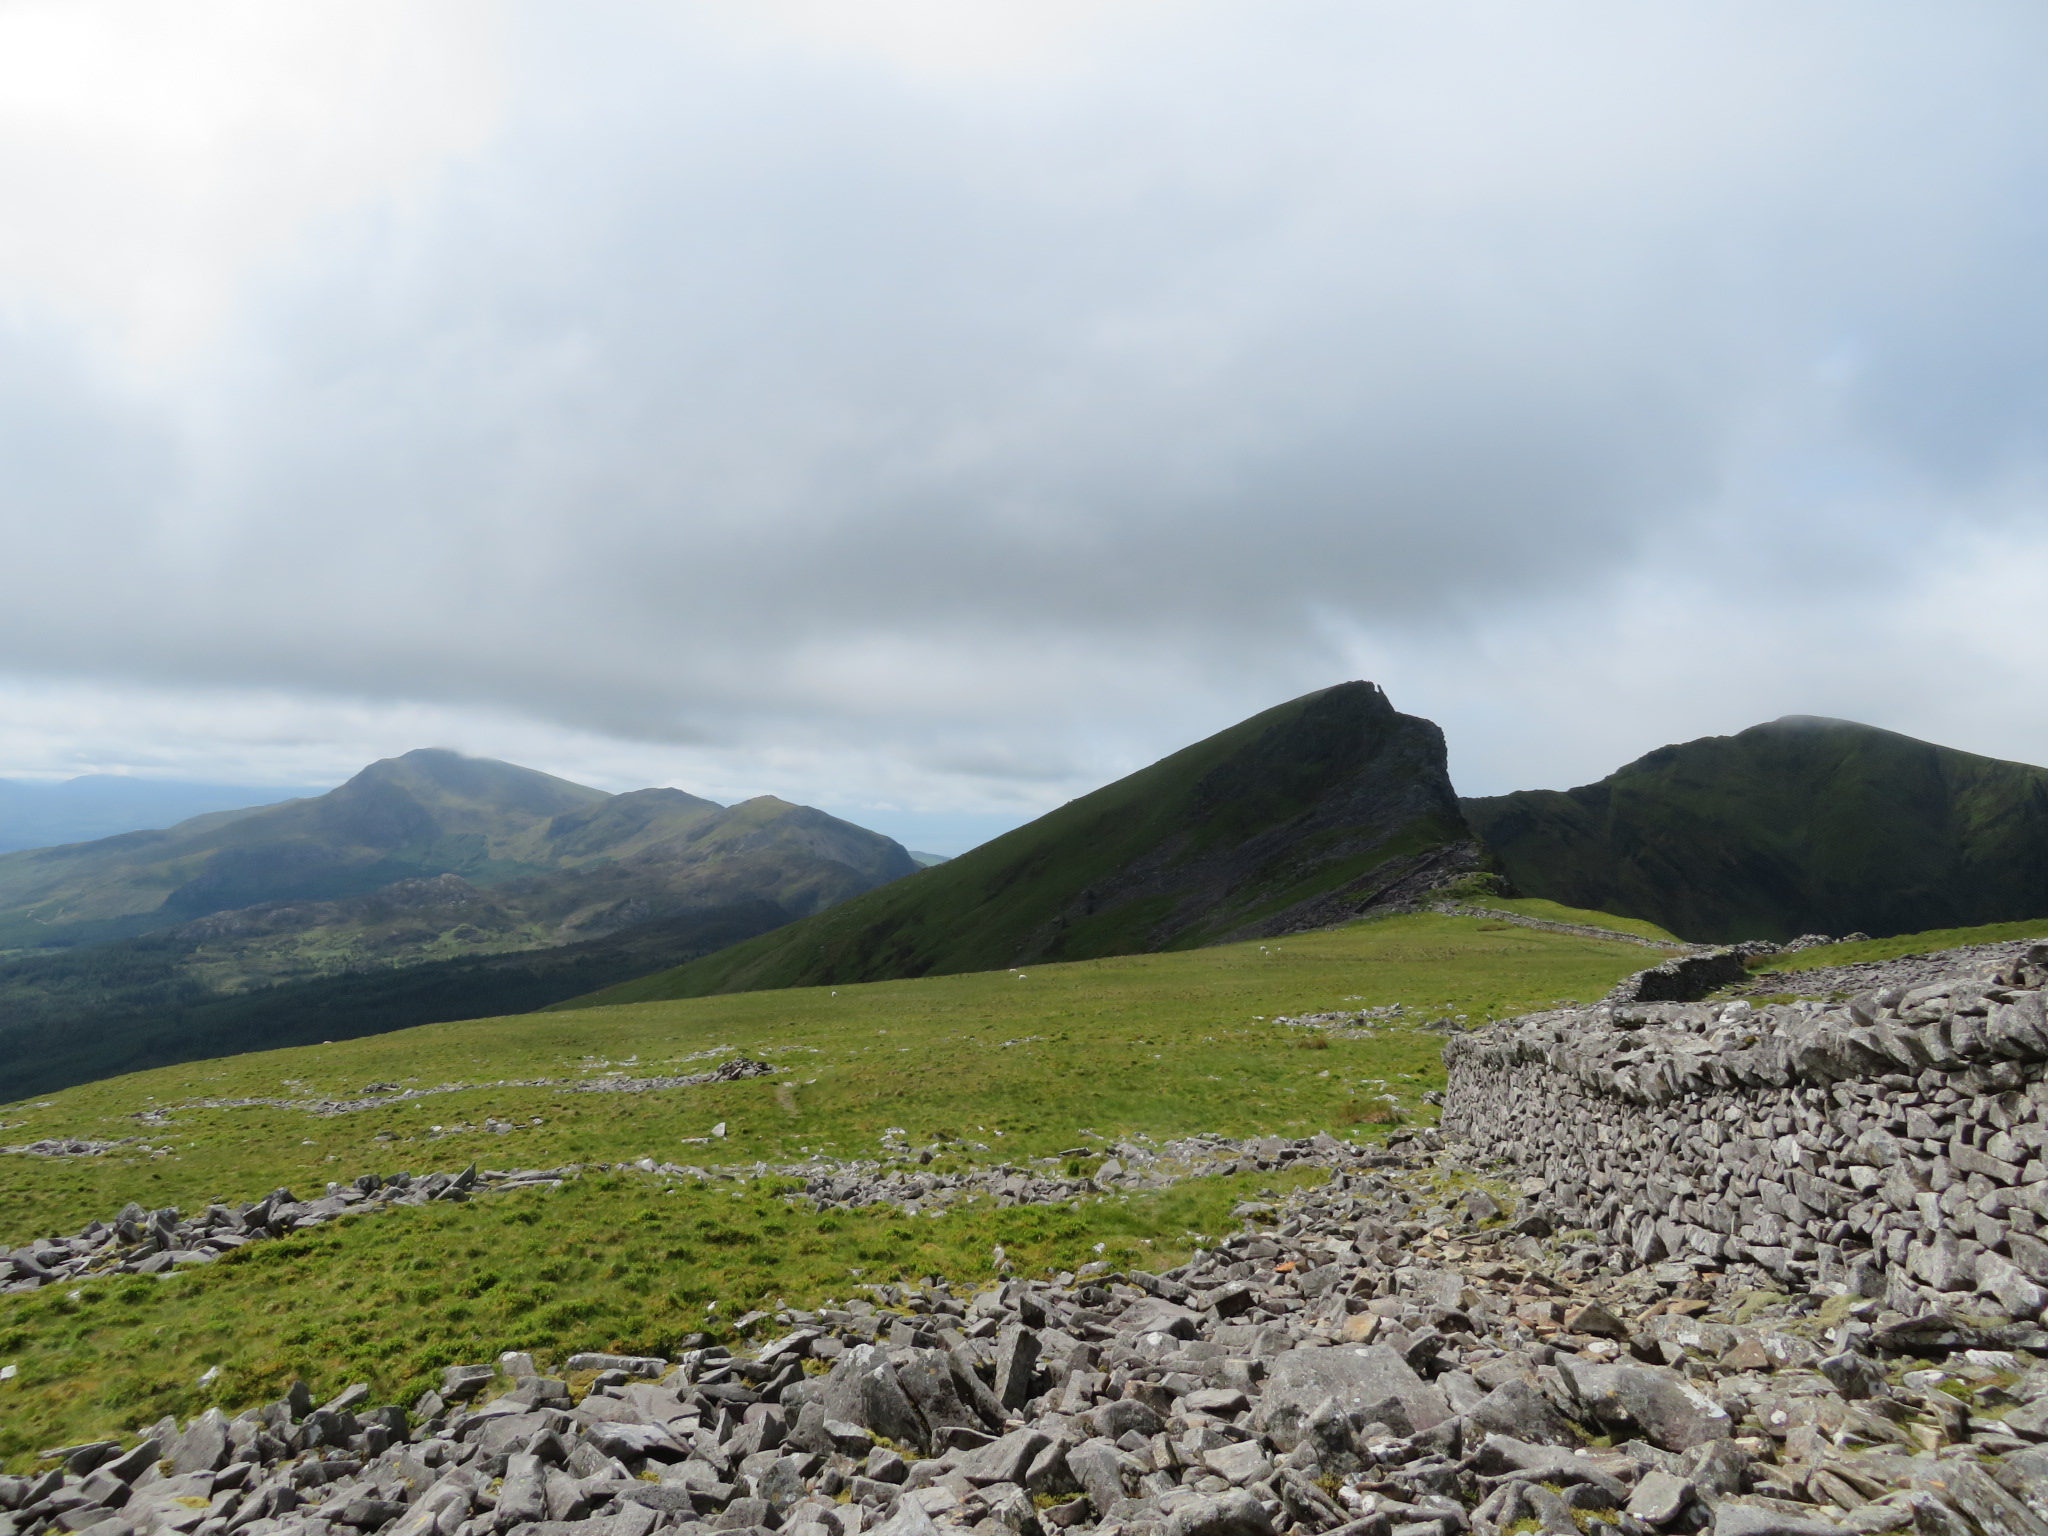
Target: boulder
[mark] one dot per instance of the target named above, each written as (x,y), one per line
(1648,1400)
(459,1383)
(1114,1420)
(1003,1461)
(910,1519)
(1768,1517)
(204,1445)
(1154,1314)
(1016,1365)
(863,1390)
(926,1376)
(522,1498)
(1502,1455)
(1240,1462)
(1216,1402)
(1236,1513)
(1972,1490)
(1516,1409)
(1095,1467)
(1659,1498)
(1358,1376)
(1331,1439)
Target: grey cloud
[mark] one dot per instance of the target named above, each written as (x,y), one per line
(741,394)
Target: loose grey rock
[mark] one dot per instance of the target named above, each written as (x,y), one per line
(1659,1498)
(1740,1517)
(1236,1513)
(1095,1466)
(1357,1376)
(1516,1409)
(1653,1401)
(1016,1363)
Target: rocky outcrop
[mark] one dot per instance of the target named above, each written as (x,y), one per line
(1388,1355)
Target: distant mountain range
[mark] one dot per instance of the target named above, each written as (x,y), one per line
(1335,806)
(1803,825)
(1324,808)
(572,861)
(38,814)
(129,944)
(434,886)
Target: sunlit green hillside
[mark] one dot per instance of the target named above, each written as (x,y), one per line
(997,1067)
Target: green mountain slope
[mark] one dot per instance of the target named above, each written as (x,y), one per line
(496,861)
(426,813)
(74,1016)
(1802,825)
(1296,818)
(578,859)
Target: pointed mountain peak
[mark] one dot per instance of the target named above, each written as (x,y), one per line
(1306,814)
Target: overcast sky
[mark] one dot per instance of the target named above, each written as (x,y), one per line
(937,408)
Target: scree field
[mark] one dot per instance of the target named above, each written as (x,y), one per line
(993,1068)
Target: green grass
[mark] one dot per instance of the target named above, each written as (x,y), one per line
(1904,944)
(613,1262)
(1159,1044)
(1003,1065)
(1550,911)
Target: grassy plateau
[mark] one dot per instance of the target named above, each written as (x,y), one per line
(994,1067)
(1824,955)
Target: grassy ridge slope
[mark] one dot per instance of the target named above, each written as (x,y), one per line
(1301,816)
(1822,956)
(153,1012)
(1012,1066)
(1802,825)
(1552,912)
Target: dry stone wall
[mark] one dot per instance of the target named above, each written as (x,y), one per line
(1888,1146)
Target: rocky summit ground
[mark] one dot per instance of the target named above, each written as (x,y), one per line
(1416,1343)
(1404,1351)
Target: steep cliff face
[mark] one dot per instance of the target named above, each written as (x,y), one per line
(1802,825)
(1323,808)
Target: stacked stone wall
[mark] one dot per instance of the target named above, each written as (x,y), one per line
(1889,1146)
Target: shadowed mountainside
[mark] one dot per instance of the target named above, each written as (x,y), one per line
(1310,813)
(150,1008)
(1801,825)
